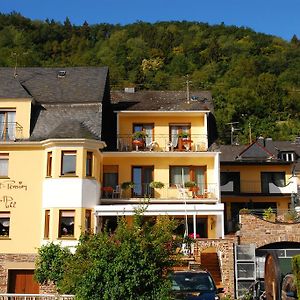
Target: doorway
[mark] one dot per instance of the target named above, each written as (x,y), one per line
(22,282)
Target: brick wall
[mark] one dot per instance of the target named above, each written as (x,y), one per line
(260,232)
(226,248)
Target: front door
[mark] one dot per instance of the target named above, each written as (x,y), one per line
(22,282)
(141,177)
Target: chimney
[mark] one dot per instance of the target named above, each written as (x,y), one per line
(261,141)
(268,142)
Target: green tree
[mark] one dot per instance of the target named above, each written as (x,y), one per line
(131,263)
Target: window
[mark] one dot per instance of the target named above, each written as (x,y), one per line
(66,223)
(4,165)
(49,164)
(288,156)
(110,176)
(68,163)
(183,174)
(277,178)
(88,221)
(234,177)
(4,224)
(7,125)
(141,177)
(47,224)
(176,131)
(148,130)
(89,164)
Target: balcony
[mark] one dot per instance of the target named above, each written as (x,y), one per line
(10,131)
(162,142)
(257,187)
(167,194)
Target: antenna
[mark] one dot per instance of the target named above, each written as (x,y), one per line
(16,55)
(234,139)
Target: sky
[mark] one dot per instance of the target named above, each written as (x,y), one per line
(276,17)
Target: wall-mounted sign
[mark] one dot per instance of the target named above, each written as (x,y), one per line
(12,185)
(8,202)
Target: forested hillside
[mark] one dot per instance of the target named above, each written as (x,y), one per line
(254,78)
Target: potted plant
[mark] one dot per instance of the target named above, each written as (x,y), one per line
(184,135)
(269,215)
(139,135)
(156,185)
(127,185)
(190,184)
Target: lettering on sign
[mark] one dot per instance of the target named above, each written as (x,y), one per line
(8,202)
(12,185)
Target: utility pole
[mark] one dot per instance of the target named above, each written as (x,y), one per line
(233,138)
(187,88)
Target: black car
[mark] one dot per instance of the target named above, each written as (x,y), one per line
(194,285)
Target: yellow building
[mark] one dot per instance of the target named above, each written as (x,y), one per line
(71,160)
(258,176)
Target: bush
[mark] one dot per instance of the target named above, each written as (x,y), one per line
(132,263)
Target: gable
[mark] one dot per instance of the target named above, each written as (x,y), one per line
(255,152)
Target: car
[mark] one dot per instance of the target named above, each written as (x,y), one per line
(194,285)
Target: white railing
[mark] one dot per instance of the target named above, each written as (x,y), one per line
(35,297)
(162,142)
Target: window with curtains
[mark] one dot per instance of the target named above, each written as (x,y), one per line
(47,224)
(49,164)
(4,224)
(148,129)
(88,221)
(277,178)
(110,176)
(176,130)
(7,125)
(182,174)
(68,163)
(89,164)
(66,223)
(4,165)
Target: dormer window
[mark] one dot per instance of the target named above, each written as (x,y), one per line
(288,156)
(7,125)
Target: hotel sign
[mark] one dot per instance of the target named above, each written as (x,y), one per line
(9,186)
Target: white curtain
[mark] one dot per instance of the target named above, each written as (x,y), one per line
(149,137)
(11,122)
(2,123)
(3,167)
(174,136)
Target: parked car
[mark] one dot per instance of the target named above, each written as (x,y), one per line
(194,285)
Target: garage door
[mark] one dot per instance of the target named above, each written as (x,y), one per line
(22,282)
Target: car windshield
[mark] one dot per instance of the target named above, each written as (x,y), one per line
(185,281)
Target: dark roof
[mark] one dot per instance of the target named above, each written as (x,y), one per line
(78,85)
(261,150)
(161,101)
(10,87)
(67,121)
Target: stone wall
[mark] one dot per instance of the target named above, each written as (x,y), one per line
(260,232)
(226,248)
(19,261)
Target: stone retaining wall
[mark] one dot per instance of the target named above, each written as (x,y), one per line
(226,248)
(260,232)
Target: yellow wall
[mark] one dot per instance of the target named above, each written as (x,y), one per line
(25,169)
(161,166)
(250,180)
(161,123)
(23,113)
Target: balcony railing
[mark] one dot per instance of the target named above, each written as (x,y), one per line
(257,187)
(162,142)
(168,192)
(10,131)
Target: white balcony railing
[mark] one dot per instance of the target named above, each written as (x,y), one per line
(162,142)
(168,192)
